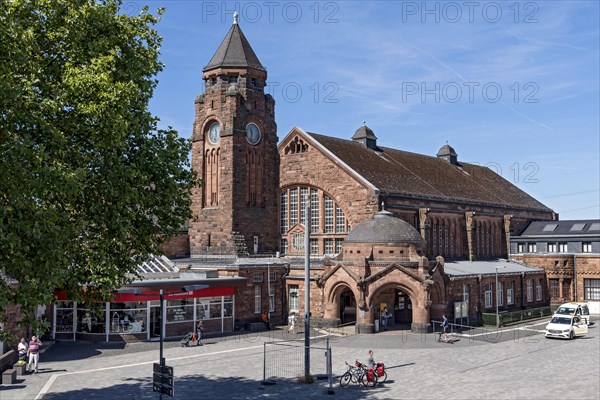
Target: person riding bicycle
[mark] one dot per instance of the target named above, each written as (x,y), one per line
(444,332)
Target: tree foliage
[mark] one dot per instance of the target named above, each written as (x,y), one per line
(88,184)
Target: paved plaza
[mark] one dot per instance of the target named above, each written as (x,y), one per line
(515,363)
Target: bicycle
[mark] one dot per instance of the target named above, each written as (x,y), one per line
(358,374)
(380,372)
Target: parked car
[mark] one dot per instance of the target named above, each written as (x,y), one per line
(566,327)
(575,309)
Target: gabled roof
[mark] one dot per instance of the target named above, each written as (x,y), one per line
(234,51)
(401,173)
(562,228)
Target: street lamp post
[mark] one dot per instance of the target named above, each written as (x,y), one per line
(497,315)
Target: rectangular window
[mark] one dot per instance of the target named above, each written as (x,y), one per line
(338,245)
(529,291)
(586,247)
(520,247)
(314,211)
(258,277)
(554,288)
(329,249)
(567,289)
(314,246)
(538,290)
(591,289)
(531,248)
(271,298)
(466,293)
(303,202)
(340,220)
(488,295)
(294,301)
(283,248)
(500,294)
(257,299)
(552,247)
(273,276)
(328,215)
(293,207)
(510,291)
(562,248)
(180,310)
(283,218)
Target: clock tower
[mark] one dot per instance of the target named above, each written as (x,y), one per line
(234,152)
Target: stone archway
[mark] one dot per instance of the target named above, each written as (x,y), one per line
(399,299)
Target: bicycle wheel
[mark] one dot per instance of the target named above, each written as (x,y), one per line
(366,382)
(382,378)
(345,379)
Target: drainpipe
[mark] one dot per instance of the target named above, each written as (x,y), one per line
(575,277)
(284,308)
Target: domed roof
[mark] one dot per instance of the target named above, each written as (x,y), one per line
(384,228)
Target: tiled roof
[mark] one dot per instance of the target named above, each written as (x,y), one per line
(562,228)
(502,266)
(234,51)
(384,228)
(396,172)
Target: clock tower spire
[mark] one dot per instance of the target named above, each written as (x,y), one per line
(234,152)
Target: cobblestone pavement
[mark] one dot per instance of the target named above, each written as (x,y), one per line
(515,363)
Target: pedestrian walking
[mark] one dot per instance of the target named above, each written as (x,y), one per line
(292,323)
(34,354)
(199,331)
(370,360)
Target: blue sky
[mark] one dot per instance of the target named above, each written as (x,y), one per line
(510,85)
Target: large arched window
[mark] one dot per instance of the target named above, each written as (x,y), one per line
(328,222)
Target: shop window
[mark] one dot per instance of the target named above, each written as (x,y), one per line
(128,317)
(91,318)
(180,310)
(591,289)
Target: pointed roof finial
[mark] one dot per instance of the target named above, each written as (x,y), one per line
(235,18)
(364,122)
(446,141)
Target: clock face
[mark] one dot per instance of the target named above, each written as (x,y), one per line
(252,134)
(214,133)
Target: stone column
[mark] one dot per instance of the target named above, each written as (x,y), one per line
(469,219)
(364,320)
(420,314)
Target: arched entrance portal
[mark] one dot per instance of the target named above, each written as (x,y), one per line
(403,310)
(347,307)
(399,304)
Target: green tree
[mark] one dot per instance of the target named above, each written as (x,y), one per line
(88,184)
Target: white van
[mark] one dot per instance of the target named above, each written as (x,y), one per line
(580,310)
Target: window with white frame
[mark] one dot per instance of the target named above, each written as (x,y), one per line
(465,293)
(293,207)
(520,247)
(329,209)
(314,246)
(283,248)
(562,248)
(314,211)
(329,243)
(293,296)
(303,202)
(529,290)
(283,208)
(488,295)
(591,289)
(531,247)
(538,290)
(273,276)
(258,277)
(552,247)
(257,299)
(586,247)
(340,220)
(338,245)
(510,289)
(500,294)
(271,298)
